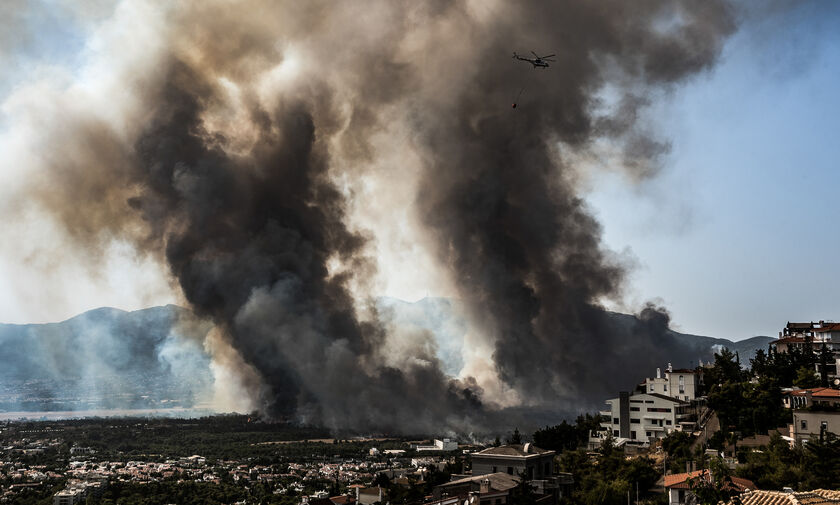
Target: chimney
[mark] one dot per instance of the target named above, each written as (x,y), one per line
(484,486)
(670,368)
(658,374)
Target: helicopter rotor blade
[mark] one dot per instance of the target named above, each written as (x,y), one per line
(535,54)
(549,56)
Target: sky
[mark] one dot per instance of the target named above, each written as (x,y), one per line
(734,236)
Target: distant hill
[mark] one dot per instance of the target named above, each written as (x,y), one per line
(105,358)
(109,358)
(707,346)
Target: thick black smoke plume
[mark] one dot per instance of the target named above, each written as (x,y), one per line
(229,165)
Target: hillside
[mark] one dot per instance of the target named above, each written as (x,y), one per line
(109,358)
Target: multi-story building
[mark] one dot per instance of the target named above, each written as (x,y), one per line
(514,459)
(69,497)
(682,383)
(812,336)
(640,418)
(810,422)
(812,397)
(815,412)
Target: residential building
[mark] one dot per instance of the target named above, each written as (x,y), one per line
(811,397)
(814,336)
(69,496)
(368,495)
(678,485)
(514,459)
(536,464)
(640,418)
(809,421)
(682,383)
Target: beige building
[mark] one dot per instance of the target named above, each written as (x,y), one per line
(807,422)
(681,383)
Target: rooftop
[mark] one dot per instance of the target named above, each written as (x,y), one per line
(817,392)
(514,450)
(499,481)
(681,480)
(816,497)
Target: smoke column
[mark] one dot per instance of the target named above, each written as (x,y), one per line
(231,146)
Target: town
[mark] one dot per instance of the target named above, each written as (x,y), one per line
(754,432)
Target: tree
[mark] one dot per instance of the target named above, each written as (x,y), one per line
(516,437)
(806,378)
(557,438)
(822,459)
(725,369)
(715,486)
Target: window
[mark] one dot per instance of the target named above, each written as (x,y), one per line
(658,409)
(495,469)
(648,401)
(803,424)
(615,433)
(615,420)
(647,433)
(633,435)
(668,422)
(681,496)
(635,421)
(510,470)
(665,387)
(651,388)
(634,409)
(547,469)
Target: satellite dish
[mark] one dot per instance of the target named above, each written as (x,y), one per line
(836,382)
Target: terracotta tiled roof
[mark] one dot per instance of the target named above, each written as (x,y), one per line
(681,480)
(816,497)
(828,327)
(789,340)
(817,392)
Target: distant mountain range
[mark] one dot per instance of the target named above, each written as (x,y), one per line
(109,358)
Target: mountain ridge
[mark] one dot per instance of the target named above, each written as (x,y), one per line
(113,358)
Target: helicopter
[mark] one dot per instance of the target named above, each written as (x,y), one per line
(537,61)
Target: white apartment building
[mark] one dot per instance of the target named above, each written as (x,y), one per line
(682,383)
(644,417)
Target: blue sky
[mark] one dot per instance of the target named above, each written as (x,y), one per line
(736,235)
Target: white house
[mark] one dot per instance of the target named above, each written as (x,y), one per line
(642,417)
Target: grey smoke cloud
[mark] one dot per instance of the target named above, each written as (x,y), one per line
(233,164)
